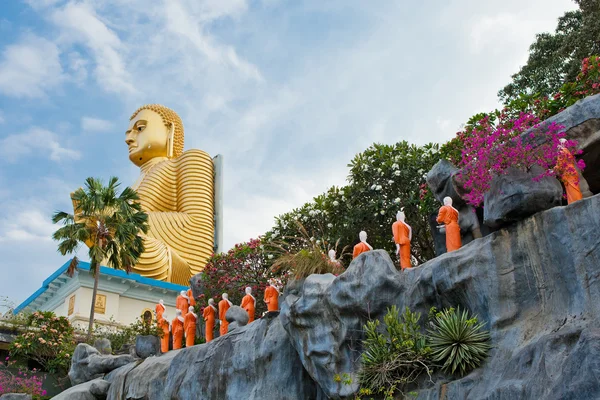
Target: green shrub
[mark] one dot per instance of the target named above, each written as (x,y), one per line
(456,340)
(395,357)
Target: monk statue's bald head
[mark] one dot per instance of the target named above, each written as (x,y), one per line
(154,131)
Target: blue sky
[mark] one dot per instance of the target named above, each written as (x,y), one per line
(287,91)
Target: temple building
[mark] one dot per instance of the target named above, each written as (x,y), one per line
(121,297)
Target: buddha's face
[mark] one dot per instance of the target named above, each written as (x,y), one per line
(147,137)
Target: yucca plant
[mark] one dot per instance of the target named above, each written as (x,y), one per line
(458,341)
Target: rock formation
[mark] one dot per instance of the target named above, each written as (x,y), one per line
(87,363)
(535,283)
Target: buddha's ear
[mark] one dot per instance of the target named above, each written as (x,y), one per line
(170,140)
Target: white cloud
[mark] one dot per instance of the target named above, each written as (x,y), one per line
(26,225)
(35,141)
(30,68)
(81,25)
(90,124)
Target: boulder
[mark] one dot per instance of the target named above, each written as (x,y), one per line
(147,345)
(95,389)
(103,346)
(441,182)
(517,195)
(87,363)
(254,362)
(237,317)
(15,396)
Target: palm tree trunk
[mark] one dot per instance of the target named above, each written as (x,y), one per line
(94,266)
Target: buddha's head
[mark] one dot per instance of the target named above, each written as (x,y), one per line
(400,216)
(362,236)
(448,201)
(332,254)
(248,290)
(154,131)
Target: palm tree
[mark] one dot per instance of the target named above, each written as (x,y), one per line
(108,223)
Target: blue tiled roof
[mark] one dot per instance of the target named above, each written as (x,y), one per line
(103,271)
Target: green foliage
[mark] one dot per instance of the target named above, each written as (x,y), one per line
(457,341)
(554,57)
(312,259)
(394,356)
(120,336)
(47,340)
(383,179)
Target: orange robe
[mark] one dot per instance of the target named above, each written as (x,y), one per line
(177,329)
(209,318)
(360,248)
(160,309)
(182,304)
(272,298)
(191,296)
(189,326)
(449,216)
(569,176)
(402,237)
(164,341)
(248,304)
(223,307)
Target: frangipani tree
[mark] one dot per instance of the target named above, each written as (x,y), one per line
(109,223)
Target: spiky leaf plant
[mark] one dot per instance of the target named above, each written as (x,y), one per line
(458,341)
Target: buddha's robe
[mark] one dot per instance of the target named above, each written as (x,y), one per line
(567,171)
(164,341)
(189,327)
(249,304)
(272,298)
(177,330)
(160,310)
(182,304)
(190,296)
(401,233)
(178,196)
(448,215)
(209,319)
(360,248)
(223,307)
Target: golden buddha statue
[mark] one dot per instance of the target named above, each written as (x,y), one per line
(176,189)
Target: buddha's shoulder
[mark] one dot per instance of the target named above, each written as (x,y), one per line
(193,159)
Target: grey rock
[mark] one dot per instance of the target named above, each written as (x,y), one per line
(197,285)
(516,196)
(99,388)
(15,396)
(255,362)
(84,390)
(535,285)
(103,346)
(237,317)
(440,181)
(147,345)
(87,363)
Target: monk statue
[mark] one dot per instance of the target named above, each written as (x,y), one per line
(249,304)
(209,319)
(176,190)
(177,329)
(224,305)
(183,302)
(402,237)
(190,296)
(272,296)
(566,168)
(189,327)
(160,309)
(163,323)
(448,215)
(362,246)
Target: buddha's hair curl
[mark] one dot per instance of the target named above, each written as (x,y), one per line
(169,117)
